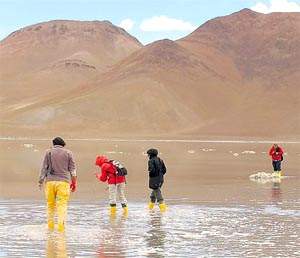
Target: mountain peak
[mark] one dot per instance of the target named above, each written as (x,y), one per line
(61,29)
(258,44)
(162,43)
(102,43)
(247,11)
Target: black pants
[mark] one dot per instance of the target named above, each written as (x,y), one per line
(156,196)
(276,165)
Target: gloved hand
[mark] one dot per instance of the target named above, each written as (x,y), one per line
(73,184)
(41,184)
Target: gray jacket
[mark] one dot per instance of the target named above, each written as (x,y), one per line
(63,165)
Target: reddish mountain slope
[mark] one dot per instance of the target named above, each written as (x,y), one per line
(263,47)
(234,76)
(52,57)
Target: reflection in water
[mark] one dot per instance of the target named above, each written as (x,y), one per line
(185,230)
(155,237)
(56,245)
(276,190)
(113,243)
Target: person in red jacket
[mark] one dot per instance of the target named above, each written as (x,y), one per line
(116,184)
(276,153)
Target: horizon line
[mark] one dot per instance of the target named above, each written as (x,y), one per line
(11,138)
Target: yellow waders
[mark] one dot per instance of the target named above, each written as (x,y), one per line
(57,196)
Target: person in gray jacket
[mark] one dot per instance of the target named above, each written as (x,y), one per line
(59,174)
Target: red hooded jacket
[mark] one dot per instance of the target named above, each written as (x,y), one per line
(108,171)
(278,156)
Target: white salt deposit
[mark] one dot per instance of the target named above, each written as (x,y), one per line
(208,150)
(191,151)
(248,152)
(114,152)
(264,177)
(235,154)
(261,175)
(28,145)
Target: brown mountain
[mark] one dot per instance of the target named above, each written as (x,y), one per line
(58,43)
(262,47)
(45,59)
(234,76)
(264,51)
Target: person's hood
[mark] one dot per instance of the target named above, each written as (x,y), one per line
(100,160)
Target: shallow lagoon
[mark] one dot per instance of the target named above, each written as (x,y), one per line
(185,230)
(214,210)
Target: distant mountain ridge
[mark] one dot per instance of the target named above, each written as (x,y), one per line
(233,76)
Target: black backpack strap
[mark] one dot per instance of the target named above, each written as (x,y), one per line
(162,167)
(50,169)
(157,164)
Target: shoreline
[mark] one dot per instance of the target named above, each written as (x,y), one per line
(9,138)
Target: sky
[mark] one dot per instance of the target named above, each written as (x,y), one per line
(147,20)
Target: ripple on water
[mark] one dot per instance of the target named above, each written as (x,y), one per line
(185,230)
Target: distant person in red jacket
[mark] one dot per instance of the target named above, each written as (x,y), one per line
(116,184)
(276,153)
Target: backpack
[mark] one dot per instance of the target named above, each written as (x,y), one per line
(121,170)
(160,166)
(157,180)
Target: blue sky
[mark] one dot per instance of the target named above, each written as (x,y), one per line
(148,20)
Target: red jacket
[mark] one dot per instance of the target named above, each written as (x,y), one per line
(276,156)
(108,171)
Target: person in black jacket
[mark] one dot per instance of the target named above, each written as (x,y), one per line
(157,170)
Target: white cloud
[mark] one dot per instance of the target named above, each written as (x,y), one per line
(164,23)
(277,6)
(127,24)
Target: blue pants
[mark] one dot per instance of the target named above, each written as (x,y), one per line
(276,165)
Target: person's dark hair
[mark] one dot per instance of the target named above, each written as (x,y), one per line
(58,141)
(152,152)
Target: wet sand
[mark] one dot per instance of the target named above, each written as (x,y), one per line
(208,171)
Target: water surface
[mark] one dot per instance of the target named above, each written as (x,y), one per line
(214,210)
(185,230)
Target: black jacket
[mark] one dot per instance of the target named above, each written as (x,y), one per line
(157,169)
